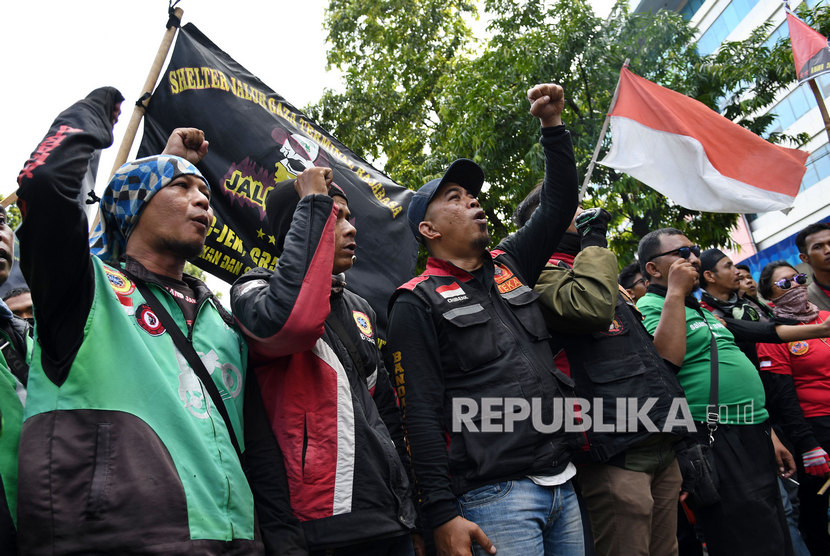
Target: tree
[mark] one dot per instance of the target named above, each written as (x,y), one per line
(420,102)
(13,216)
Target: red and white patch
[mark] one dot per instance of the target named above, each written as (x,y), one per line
(449,291)
(148,320)
(615,328)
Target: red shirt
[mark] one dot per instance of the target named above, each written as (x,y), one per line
(808,362)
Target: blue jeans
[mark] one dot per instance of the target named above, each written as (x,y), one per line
(522,518)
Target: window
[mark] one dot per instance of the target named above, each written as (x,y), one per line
(729,18)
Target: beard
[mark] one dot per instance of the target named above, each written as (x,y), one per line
(481,242)
(186,250)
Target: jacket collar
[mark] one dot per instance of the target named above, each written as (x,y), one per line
(135,268)
(440,267)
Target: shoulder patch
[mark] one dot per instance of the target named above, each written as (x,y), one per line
(119,282)
(505,280)
(615,328)
(148,320)
(363,323)
(799,348)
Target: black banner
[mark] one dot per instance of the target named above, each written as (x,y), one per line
(256,140)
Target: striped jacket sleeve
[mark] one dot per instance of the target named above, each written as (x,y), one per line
(284,311)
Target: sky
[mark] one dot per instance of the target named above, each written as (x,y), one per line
(57,51)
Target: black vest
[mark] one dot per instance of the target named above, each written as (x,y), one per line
(493,343)
(620,362)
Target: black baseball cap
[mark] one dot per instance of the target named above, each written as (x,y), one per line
(463,171)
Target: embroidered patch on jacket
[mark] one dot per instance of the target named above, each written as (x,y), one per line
(451,292)
(798,348)
(505,280)
(120,284)
(148,320)
(501,274)
(363,323)
(615,328)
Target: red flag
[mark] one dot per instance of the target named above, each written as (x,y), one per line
(811,53)
(696,157)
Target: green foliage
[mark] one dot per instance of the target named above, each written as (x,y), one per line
(13,216)
(419,93)
(195,271)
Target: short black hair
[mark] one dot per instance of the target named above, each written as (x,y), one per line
(15,292)
(743,267)
(650,246)
(765,280)
(627,274)
(801,237)
(525,209)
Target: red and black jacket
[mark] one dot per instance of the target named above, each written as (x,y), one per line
(346,480)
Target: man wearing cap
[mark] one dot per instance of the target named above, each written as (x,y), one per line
(123,449)
(468,345)
(327,394)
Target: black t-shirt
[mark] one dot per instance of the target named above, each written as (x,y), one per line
(184,296)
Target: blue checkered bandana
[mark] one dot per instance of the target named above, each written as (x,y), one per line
(132,186)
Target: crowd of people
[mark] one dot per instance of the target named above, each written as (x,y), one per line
(530,399)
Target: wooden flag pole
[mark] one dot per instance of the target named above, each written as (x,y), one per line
(821,106)
(146,91)
(602,133)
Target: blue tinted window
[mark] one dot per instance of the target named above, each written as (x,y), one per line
(729,18)
(690,9)
(818,167)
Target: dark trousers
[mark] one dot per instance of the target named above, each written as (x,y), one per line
(813,515)
(392,546)
(749,519)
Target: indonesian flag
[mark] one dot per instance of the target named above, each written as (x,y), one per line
(811,53)
(696,157)
(450,291)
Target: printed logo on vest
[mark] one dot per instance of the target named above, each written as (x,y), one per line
(148,320)
(615,328)
(363,323)
(798,348)
(120,284)
(451,292)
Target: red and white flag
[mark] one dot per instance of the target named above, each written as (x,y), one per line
(696,157)
(811,53)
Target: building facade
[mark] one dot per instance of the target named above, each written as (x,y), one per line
(767,237)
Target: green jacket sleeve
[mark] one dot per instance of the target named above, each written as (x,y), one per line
(581,299)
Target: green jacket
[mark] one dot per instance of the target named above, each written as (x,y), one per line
(581,299)
(127,454)
(12,400)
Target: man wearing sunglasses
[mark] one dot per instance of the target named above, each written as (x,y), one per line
(744,458)
(813,244)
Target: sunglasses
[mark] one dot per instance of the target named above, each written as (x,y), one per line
(682,252)
(785,283)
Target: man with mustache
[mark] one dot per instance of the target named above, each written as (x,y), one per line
(468,330)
